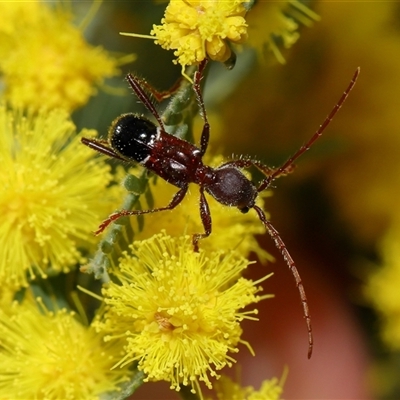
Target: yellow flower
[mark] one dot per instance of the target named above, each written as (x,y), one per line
(197,29)
(271,389)
(273,24)
(179,311)
(16,13)
(52,194)
(50,355)
(382,290)
(45,61)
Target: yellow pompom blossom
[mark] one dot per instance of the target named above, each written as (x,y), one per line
(50,355)
(53,193)
(45,61)
(197,29)
(277,21)
(180,311)
(271,389)
(13,13)
(382,290)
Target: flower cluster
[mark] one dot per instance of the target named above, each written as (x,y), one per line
(169,312)
(51,186)
(180,311)
(42,73)
(197,29)
(50,354)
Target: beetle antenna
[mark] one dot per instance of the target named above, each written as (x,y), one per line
(290,262)
(288,165)
(138,86)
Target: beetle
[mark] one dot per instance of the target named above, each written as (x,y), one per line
(134,138)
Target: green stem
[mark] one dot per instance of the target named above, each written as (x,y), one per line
(126,388)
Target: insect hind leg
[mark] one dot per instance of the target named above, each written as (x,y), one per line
(178,197)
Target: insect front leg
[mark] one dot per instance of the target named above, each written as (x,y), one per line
(178,197)
(205,135)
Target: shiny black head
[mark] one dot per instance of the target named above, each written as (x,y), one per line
(132,136)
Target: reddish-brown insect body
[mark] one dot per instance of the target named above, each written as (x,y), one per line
(133,138)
